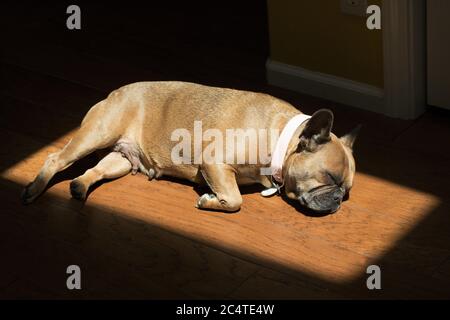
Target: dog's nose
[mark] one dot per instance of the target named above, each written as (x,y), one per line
(337,196)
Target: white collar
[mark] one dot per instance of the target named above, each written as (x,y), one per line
(279,153)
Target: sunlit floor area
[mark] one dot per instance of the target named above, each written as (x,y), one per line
(135,238)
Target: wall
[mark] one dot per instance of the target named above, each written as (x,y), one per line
(315,35)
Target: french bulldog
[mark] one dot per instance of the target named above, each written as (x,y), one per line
(136,124)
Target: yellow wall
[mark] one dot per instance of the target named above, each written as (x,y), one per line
(315,35)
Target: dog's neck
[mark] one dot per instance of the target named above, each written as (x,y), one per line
(286,144)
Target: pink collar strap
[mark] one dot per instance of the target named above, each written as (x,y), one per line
(276,165)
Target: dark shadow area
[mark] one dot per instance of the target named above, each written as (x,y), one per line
(50,78)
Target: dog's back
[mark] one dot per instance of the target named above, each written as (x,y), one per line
(150,112)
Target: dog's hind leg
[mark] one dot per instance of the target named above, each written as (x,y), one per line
(114,165)
(92,135)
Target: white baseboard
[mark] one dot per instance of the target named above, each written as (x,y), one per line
(325,86)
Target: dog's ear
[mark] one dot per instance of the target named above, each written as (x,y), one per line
(349,138)
(317,130)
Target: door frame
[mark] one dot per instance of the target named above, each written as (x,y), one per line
(404,55)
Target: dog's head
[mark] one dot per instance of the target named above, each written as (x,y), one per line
(320,168)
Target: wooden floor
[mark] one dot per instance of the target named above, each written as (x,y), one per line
(138,239)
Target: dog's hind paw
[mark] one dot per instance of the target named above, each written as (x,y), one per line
(78,190)
(27,195)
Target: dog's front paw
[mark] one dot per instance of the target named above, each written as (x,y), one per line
(204,199)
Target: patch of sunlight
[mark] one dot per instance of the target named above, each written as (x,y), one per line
(337,247)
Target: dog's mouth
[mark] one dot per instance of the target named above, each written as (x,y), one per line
(323,200)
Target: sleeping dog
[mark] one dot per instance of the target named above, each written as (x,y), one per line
(138,124)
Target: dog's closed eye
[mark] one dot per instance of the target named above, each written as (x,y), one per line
(333,179)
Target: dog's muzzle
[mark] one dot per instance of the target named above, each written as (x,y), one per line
(324,199)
